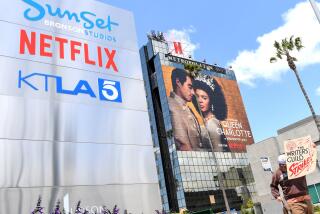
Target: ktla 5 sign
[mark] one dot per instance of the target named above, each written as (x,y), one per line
(108,90)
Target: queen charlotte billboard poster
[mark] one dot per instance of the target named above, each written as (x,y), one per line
(207,112)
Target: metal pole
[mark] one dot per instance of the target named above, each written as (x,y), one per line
(220,177)
(315,187)
(317,12)
(315,9)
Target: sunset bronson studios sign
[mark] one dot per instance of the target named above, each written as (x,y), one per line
(72,96)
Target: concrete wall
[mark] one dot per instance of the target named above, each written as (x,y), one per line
(262,178)
(267,148)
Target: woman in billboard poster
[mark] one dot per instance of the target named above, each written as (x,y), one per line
(211,102)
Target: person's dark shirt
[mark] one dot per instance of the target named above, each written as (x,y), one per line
(291,188)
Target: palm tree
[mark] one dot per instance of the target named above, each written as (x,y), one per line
(283,49)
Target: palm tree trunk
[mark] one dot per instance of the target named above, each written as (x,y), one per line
(308,100)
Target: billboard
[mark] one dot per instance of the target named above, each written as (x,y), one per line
(70,75)
(207,112)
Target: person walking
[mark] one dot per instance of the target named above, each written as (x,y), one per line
(295,191)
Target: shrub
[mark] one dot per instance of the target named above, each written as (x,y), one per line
(317,208)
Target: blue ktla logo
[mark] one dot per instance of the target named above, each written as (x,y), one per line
(108,90)
(89,20)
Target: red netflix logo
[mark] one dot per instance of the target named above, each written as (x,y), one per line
(177,47)
(47,45)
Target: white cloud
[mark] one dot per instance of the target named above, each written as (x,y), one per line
(318,91)
(298,21)
(182,36)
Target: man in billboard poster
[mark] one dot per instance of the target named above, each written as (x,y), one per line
(186,129)
(207,92)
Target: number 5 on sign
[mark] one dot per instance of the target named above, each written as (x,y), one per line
(110,90)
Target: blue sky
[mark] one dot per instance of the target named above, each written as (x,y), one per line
(241,34)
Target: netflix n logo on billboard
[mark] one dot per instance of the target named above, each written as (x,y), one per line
(177,48)
(180,49)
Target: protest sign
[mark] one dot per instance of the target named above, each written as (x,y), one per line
(301,157)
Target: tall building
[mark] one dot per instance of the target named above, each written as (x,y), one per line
(196,108)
